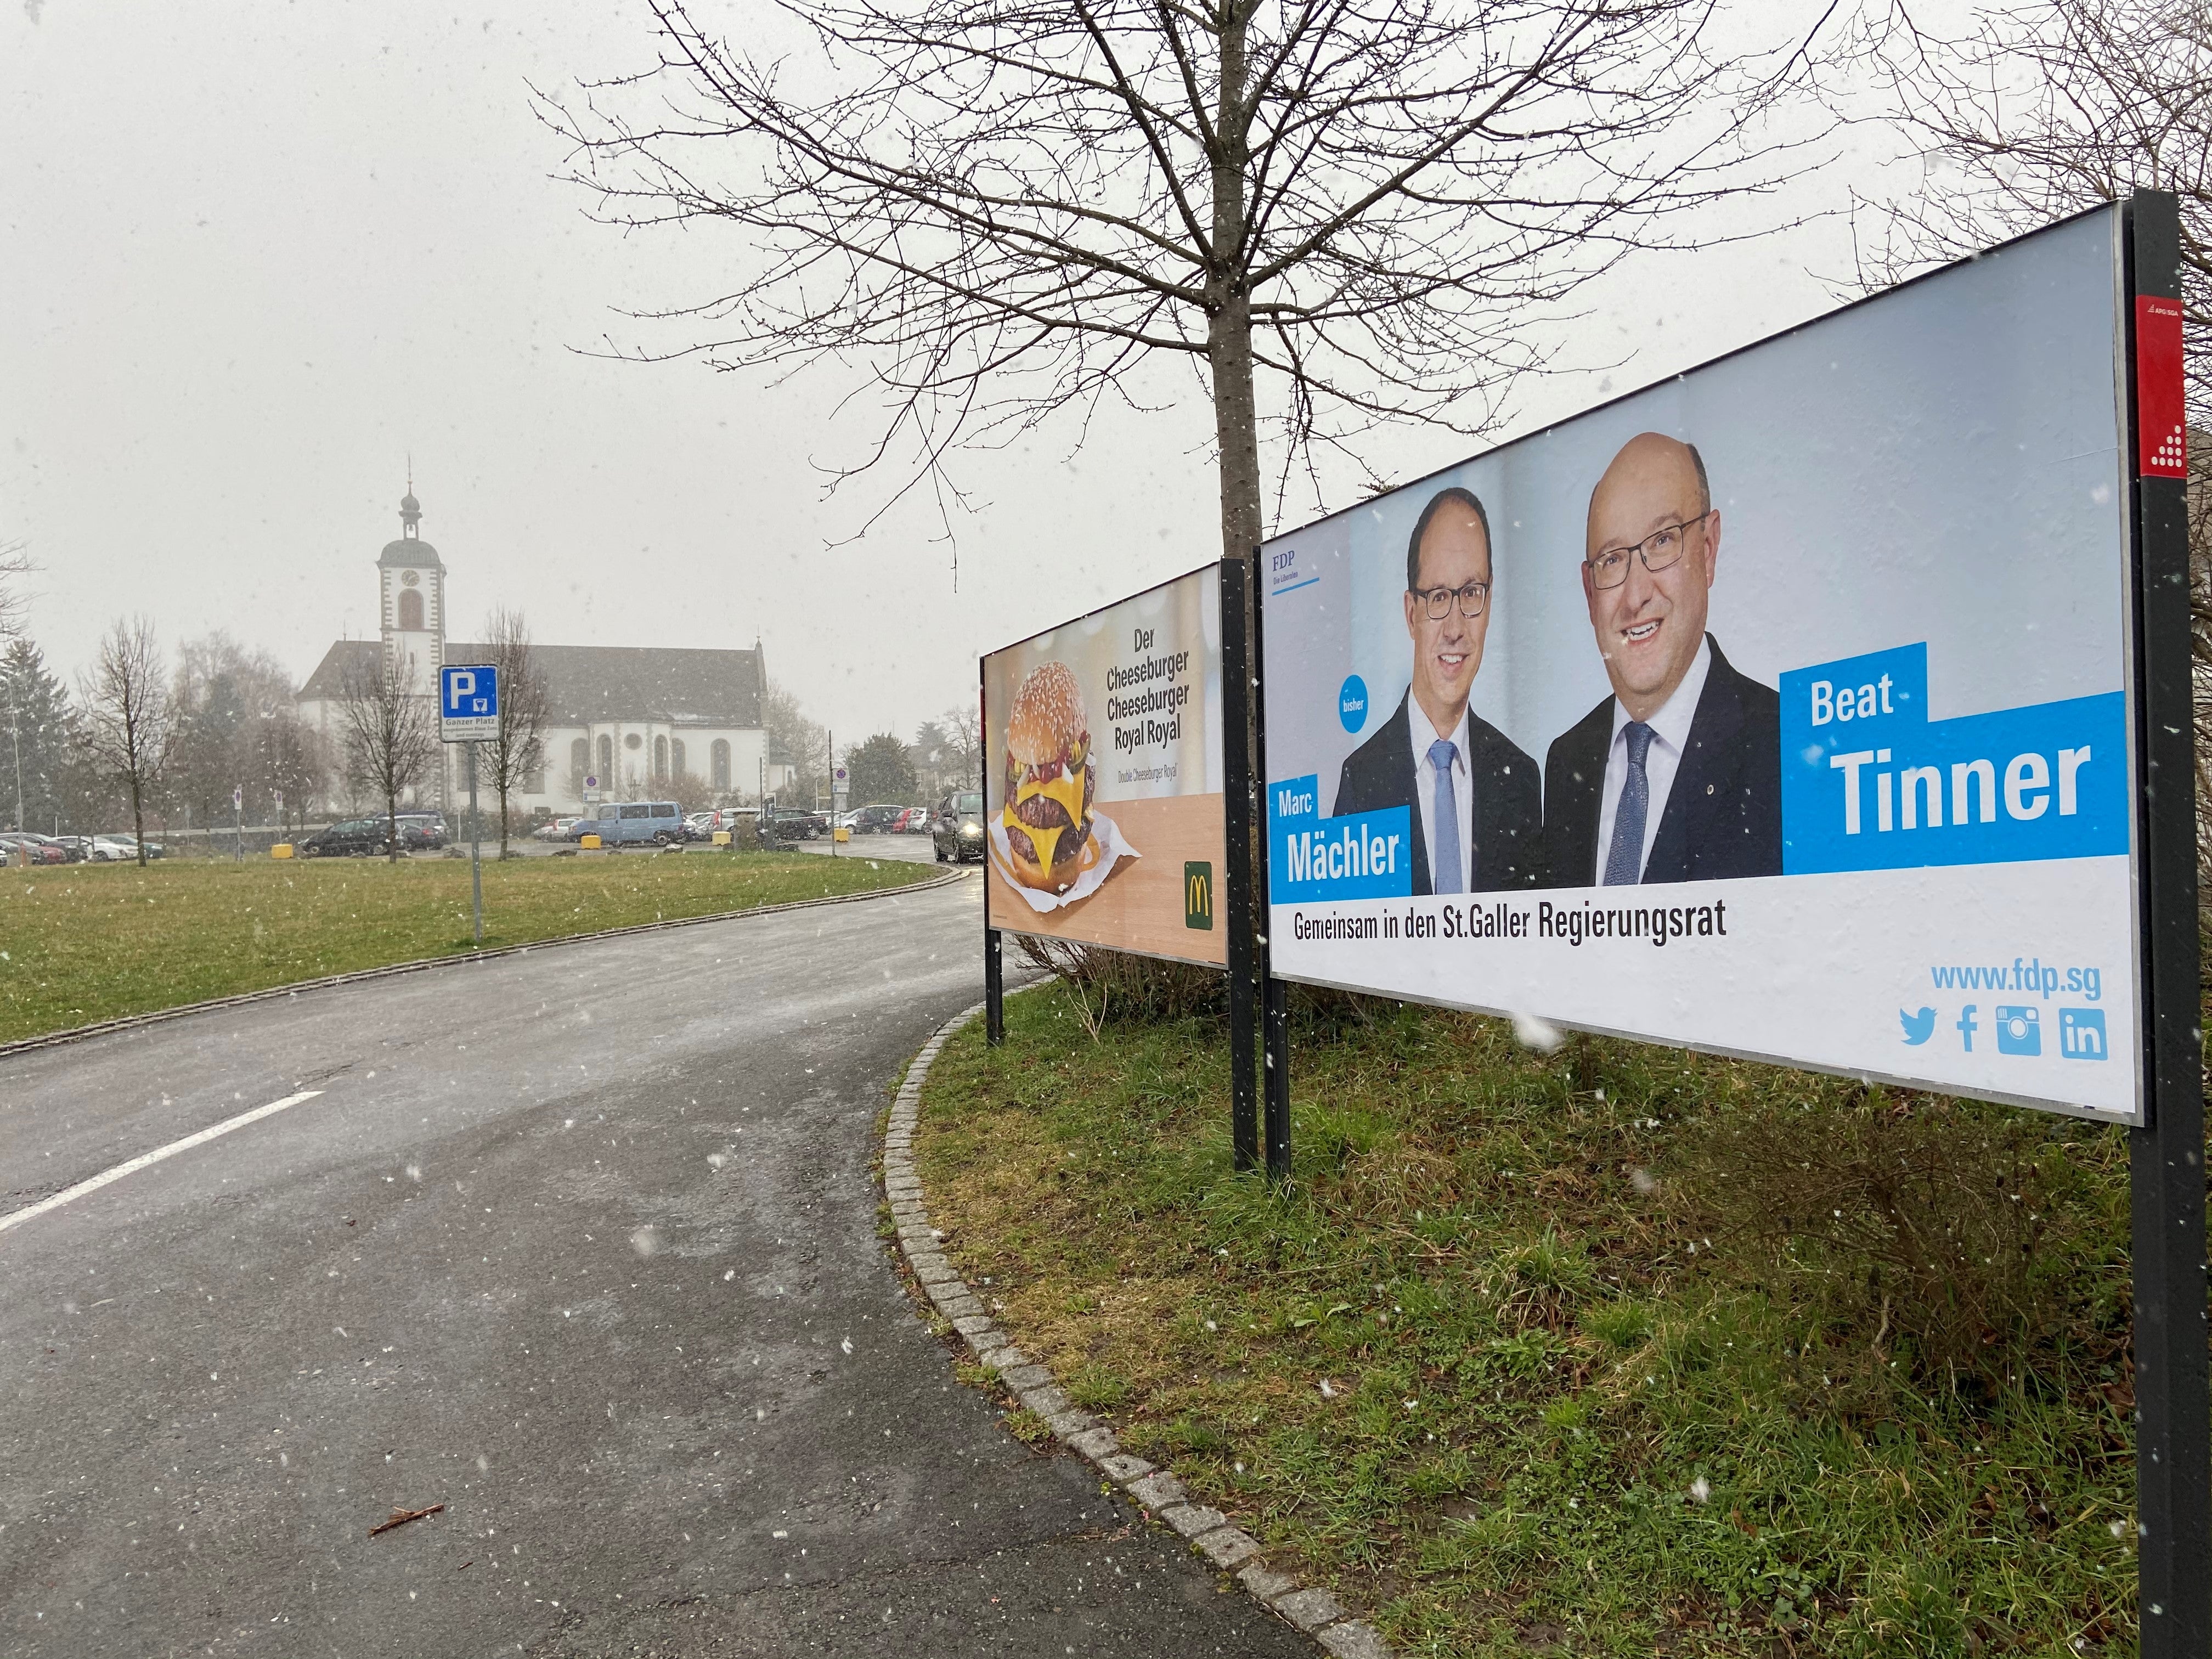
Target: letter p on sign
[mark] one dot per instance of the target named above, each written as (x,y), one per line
(468,704)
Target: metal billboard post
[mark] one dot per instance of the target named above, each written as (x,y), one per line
(994,968)
(1236,853)
(2166,1156)
(1274,1006)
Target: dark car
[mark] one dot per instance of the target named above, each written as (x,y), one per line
(79,848)
(422,831)
(348,838)
(958,829)
(876,820)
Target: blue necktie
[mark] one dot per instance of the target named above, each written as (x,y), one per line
(1624,861)
(1444,848)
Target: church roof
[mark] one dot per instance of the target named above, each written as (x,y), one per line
(590,683)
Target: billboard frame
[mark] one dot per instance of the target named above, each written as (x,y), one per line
(2165,1139)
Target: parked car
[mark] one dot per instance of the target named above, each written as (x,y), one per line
(422,831)
(556,829)
(72,852)
(633,823)
(348,838)
(913,821)
(130,845)
(794,824)
(958,831)
(740,823)
(876,820)
(39,850)
(106,849)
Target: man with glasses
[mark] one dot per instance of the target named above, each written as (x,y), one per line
(1677,776)
(1477,815)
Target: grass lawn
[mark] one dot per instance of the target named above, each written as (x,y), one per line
(1512,1367)
(86,942)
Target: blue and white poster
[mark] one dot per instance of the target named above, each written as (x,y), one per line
(1780,709)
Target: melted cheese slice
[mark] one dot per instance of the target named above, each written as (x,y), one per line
(1067,790)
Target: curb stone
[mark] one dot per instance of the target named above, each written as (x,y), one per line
(1209,1533)
(155,1017)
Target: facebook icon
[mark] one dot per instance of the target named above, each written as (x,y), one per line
(2082,1033)
(1968,1026)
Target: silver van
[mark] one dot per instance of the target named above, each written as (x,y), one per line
(633,823)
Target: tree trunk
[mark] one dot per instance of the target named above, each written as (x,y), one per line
(502,814)
(391,827)
(1228,318)
(138,819)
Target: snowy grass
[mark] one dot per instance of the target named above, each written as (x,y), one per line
(1489,1371)
(83,943)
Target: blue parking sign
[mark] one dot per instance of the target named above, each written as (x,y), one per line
(468,702)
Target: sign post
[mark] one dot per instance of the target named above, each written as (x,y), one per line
(2165,1156)
(468,712)
(238,825)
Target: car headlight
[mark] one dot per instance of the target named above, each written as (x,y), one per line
(971,828)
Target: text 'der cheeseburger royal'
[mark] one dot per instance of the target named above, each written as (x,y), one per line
(1050,781)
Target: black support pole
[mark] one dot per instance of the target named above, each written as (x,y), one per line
(1236,854)
(994,966)
(1275,1022)
(2173,1419)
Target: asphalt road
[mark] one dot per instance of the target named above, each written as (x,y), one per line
(580,1243)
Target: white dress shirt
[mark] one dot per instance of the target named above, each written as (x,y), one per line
(1670,738)
(1425,780)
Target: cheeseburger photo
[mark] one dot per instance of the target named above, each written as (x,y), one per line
(1050,781)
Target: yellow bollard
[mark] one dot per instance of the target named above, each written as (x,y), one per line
(590,843)
(721,838)
(842,833)
(283,849)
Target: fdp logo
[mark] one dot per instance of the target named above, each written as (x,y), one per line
(1197,895)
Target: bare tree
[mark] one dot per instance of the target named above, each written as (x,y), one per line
(129,717)
(1348,211)
(519,751)
(389,729)
(2034,112)
(15,565)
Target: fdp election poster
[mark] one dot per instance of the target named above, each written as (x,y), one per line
(1778,710)
(1102,777)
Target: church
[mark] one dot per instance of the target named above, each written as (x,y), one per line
(622,722)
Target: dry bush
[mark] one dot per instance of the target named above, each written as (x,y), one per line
(1944,1223)
(1117,987)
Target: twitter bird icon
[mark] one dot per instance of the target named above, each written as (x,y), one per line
(1919,1027)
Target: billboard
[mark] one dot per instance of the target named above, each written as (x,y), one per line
(1779,709)
(1102,777)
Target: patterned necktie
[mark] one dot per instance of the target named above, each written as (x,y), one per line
(1624,861)
(1444,848)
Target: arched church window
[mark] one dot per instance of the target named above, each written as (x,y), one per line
(676,757)
(411,611)
(579,759)
(659,758)
(720,757)
(606,762)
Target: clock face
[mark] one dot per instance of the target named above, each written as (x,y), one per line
(411,577)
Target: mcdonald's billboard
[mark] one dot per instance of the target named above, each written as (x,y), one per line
(1102,777)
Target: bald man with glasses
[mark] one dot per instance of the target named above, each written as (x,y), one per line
(1477,815)
(1676,776)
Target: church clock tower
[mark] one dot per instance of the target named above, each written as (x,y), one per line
(411,582)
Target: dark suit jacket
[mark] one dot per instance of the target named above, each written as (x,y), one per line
(1724,816)
(1508,810)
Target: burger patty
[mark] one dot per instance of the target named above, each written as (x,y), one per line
(1064,850)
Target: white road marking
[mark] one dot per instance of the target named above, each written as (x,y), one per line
(155,1157)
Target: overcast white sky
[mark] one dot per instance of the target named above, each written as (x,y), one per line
(252,256)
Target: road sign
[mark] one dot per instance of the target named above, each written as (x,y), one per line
(468,702)
(237,797)
(591,782)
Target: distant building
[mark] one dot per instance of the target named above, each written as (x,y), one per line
(631,720)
